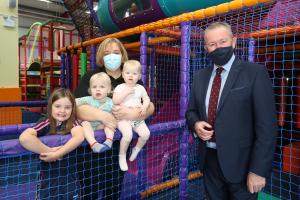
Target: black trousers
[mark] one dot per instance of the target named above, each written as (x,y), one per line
(99,173)
(215,184)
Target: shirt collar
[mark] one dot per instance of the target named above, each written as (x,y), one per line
(228,65)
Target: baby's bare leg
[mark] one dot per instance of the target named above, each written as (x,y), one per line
(144,133)
(107,144)
(126,130)
(88,132)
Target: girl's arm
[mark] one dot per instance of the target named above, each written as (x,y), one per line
(31,142)
(76,139)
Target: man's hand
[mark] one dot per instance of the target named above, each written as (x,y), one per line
(255,183)
(203,130)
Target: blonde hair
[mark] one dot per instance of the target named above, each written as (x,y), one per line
(102,47)
(217,25)
(56,95)
(102,76)
(133,63)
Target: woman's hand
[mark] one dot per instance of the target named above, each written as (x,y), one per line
(123,112)
(89,113)
(109,121)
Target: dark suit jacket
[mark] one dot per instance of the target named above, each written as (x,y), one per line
(245,126)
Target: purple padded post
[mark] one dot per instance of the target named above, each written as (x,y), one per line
(152,71)
(143,59)
(69,71)
(62,70)
(184,85)
(143,56)
(251,50)
(93,57)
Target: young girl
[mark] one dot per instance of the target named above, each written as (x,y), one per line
(130,94)
(100,87)
(58,174)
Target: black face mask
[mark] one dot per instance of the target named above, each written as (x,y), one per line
(222,55)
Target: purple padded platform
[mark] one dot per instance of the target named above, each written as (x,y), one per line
(13,147)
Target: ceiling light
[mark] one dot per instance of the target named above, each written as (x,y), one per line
(46,1)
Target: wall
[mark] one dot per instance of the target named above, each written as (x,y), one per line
(9,61)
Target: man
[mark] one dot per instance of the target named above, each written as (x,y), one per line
(232,111)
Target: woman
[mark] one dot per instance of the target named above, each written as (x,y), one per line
(111,55)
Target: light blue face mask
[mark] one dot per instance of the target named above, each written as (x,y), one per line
(112,61)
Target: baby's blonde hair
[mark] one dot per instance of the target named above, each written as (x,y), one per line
(102,76)
(133,63)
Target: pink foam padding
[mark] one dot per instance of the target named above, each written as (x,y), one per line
(278,16)
(169,111)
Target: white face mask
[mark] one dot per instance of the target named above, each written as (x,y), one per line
(112,61)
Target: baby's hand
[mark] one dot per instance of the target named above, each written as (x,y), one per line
(130,90)
(142,111)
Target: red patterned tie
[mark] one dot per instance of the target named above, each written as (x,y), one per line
(213,100)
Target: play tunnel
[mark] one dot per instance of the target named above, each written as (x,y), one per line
(115,15)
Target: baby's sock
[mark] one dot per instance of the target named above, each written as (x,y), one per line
(96,147)
(108,142)
(122,162)
(134,153)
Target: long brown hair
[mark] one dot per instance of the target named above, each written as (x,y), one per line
(56,95)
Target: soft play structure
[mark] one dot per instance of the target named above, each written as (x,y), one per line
(171,50)
(38,60)
(115,15)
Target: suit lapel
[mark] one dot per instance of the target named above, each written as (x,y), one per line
(232,76)
(205,80)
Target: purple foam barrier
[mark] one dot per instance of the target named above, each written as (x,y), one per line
(23,103)
(184,88)
(13,147)
(14,129)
